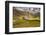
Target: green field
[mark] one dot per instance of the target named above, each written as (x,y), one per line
(26,23)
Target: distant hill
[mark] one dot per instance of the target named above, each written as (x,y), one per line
(19,11)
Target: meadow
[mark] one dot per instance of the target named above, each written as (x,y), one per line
(26,23)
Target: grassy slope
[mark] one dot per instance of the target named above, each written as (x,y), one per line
(26,23)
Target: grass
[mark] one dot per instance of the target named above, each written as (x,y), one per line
(26,23)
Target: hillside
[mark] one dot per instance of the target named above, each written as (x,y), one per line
(26,17)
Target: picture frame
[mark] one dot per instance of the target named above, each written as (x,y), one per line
(10,7)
